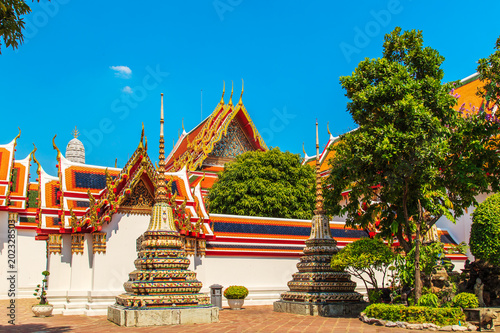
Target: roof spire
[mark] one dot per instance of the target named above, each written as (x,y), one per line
(304,150)
(75,133)
(223,91)
(241,95)
(319,190)
(55,146)
(231,98)
(161,191)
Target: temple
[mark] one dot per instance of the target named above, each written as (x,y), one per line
(86,223)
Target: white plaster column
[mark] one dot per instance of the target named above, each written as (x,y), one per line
(59,267)
(81,278)
(32,261)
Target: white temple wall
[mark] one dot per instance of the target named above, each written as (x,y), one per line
(265,277)
(111,270)
(32,259)
(460,231)
(59,280)
(4,283)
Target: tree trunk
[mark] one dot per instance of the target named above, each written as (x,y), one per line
(418,281)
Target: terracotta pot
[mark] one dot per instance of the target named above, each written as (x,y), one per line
(235,304)
(42,310)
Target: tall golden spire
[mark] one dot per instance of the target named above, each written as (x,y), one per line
(240,102)
(319,190)
(161,190)
(231,97)
(223,91)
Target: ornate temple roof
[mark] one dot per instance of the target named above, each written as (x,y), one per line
(225,133)
(6,165)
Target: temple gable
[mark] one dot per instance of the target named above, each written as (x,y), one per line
(233,143)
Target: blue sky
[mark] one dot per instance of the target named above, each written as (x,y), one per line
(290,54)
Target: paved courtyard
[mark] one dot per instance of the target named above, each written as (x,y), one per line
(250,319)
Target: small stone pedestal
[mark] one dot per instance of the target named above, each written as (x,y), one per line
(131,317)
(339,309)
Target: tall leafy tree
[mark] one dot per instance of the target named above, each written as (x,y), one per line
(413,158)
(11,22)
(271,183)
(489,73)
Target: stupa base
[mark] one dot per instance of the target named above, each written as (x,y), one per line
(135,317)
(339,309)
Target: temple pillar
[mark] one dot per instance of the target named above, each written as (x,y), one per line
(59,266)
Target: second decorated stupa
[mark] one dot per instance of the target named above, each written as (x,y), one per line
(317,289)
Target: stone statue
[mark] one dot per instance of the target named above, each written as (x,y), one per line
(478,290)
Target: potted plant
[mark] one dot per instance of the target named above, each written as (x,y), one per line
(235,296)
(43,308)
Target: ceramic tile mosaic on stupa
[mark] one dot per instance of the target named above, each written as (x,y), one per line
(316,282)
(161,290)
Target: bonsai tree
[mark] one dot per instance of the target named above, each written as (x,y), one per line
(363,259)
(40,292)
(271,183)
(485,230)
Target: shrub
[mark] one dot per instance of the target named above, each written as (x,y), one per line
(374,296)
(485,230)
(235,292)
(430,300)
(416,314)
(363,259)
(466,300)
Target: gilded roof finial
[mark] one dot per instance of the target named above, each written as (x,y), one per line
(231,97)
(304,150)
(116,162)
(32,154)
(161,191)
(55,146)
(183,130)
(142,134)
(223,91)
(75,133)
(39,167)
(241,95)
(328,129)
(145,143)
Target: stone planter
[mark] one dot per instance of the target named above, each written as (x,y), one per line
(235,304)
(42,310)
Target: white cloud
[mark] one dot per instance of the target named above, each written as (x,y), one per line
(122,71)
(127,90)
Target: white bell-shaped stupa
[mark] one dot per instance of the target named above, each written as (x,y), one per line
(75,151)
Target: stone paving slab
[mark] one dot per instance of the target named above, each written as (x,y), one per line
(250,319)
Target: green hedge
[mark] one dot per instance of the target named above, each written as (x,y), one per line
(416,314)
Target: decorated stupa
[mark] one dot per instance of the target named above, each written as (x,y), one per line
(162,291)
(317,289)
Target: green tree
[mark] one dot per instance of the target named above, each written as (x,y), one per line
(489,73)
(11,22)
(363,259)
(413,158)
(485,230)
(271,183)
